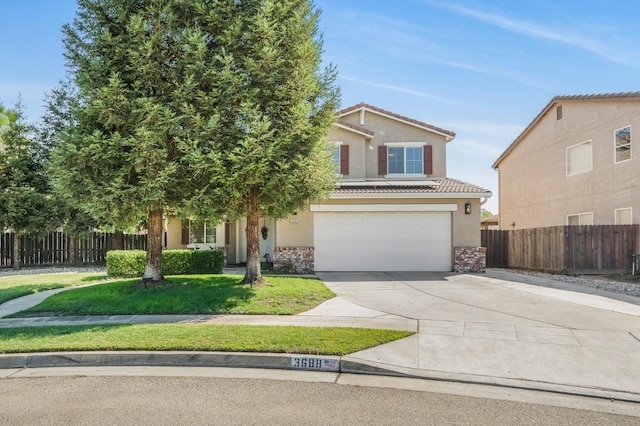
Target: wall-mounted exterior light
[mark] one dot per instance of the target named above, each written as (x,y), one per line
(467,208)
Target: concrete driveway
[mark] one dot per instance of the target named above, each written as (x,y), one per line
(501,328)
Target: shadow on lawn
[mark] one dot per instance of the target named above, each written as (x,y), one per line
(210,295)
(95,278)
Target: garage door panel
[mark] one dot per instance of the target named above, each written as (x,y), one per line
(382,241)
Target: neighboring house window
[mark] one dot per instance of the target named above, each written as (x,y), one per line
(558,112)
(580,219)
(624,216)
(198,232)
(405,159)
(622,143)
(579,158)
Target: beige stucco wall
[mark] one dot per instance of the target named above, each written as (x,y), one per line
(389,130)
(295,230)
(173,229)
(534,188)
(357,148)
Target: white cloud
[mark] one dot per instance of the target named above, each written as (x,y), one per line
(405,40)
(399,89)
(573,38)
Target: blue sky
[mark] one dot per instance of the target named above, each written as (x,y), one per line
(483,69)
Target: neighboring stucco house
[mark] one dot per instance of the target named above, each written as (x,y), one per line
(395,209)
(573,165)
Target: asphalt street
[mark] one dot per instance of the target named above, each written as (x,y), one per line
(135,397)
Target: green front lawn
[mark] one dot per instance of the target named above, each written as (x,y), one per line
(188,294)
(169,337)
(14,286)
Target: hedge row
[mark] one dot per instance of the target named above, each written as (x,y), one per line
(130,263)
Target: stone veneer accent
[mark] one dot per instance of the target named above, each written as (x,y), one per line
(469,259)
(293,259)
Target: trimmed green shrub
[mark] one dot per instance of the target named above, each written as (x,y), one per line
(130,263)
(126,263)
(176,262)
(207,261)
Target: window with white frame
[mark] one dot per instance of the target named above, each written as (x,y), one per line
(336,156)
(624,216)
(580,219)
(201,232)
(579,158)
(405,159)
(622,144)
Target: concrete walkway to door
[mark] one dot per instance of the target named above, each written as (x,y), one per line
(498,328)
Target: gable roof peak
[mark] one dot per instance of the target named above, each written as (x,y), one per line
(376,110)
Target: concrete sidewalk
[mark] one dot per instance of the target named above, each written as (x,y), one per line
(500,329)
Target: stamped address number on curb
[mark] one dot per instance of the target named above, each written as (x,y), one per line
(314,363)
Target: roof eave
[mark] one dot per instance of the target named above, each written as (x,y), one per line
(449,136)
(434,195)
(350,129)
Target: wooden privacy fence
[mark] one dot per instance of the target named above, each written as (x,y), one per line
(564,249)
(57,248)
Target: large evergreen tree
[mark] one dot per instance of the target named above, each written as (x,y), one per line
(26,203)
(143,70)
(276,106)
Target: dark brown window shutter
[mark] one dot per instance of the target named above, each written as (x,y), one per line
(427,150)
(382,160)
(344,159)
(185,232)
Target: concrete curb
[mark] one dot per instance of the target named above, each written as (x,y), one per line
(172,359)
(369,367)
(297,362)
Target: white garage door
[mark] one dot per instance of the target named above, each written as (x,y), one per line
(382,241)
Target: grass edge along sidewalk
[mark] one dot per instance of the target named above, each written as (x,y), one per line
(181,337)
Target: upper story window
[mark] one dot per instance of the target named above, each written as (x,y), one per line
(341,158)
(580,158)
(336,158)
(580,219)
(559,112)
(622,144)
(405,159)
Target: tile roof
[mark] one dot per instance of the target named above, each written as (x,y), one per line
(440,186)
(422,124)
(618,95)
(356,128)
(559,98)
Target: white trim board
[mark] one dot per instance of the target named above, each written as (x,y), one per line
(384,207)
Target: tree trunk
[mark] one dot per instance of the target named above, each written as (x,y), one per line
(118,240)
(73,251)
(254,273)
(16,250)
(153,267)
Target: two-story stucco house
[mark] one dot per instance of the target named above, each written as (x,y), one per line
(395,208)
(573,165)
